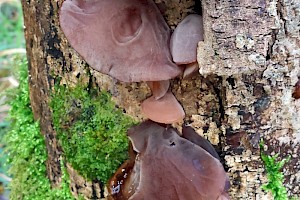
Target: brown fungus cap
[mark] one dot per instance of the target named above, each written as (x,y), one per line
(190,70)
(126,39)
(296,93)
(184,40)
(169,167)
(165,110)
(159,88)
(190,134)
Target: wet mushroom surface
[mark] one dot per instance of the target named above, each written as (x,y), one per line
(168,167)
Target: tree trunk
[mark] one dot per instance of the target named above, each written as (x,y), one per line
(249,64)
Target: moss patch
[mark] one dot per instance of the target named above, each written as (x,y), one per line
(26,149)
(91,130)
(275,175)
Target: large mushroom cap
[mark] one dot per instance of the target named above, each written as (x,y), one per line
(184,40)
(126,39)
(168,166)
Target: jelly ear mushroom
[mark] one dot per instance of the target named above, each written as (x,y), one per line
(190,70)
(121,38)
(185,38)
(165,110)
(190,134)
(159,88)
(296,93)
(126,39)
(184,42)
(168,166)
(122,176)
(162,106)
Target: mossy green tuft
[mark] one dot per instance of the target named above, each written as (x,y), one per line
(91,130)
(275,175)
(26,149)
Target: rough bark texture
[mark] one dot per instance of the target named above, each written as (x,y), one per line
(254,47)
(249,64)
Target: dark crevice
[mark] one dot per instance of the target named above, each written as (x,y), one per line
(52,40)
(90,83)
(281,15)
(101,186)
(51,12)
(275,32)
(198,7)
(231,82)
(219,92)
(94,191)
(215,83)
(271,44)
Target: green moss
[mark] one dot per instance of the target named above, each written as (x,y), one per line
(275,176)
(92,131)
(26,149)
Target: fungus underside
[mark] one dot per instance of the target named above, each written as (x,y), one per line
(26,149)
(91,130)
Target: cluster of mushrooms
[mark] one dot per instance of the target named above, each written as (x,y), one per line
(130,41)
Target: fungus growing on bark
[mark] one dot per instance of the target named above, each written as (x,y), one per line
(296,93)
(168,166)
(159,88)
(184,42)
(190,134)
(165,110)
(126,39)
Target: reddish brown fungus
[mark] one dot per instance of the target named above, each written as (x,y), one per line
(296,93)
(165,110)
(190,70)
(126,39)
(168,166)
(190,134)
(184,40)
(159,88)
(122,184)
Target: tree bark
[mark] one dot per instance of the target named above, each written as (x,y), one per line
(249,64)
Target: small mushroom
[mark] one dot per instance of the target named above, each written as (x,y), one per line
(184,42)
(159,88)
(165,110)
(168,166)
(296,93)
(126,39)
(190,70)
